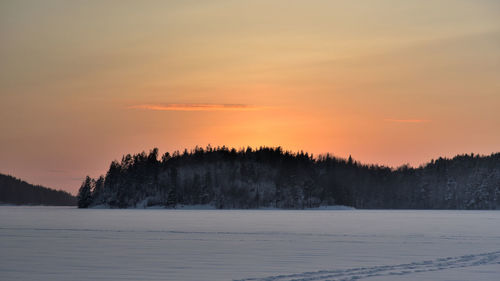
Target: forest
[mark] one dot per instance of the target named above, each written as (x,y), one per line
(18,192)
(270,177)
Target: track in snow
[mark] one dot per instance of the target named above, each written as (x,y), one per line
(388,270)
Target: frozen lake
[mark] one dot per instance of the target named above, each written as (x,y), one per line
(61,243)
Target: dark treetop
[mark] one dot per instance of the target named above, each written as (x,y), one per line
(16,191)
(270,177)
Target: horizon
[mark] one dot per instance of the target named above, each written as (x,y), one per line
(314,157)
(389,83)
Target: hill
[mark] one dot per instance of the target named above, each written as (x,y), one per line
(16,191)
(271,177)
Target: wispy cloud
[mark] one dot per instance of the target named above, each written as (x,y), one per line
(195,107)
(408,120)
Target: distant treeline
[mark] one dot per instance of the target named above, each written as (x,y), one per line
(271,177)
(16,191)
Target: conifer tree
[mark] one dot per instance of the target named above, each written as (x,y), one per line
(85,193)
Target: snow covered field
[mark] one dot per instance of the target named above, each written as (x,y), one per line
(60,243)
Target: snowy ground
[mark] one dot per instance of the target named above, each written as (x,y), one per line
(60,243)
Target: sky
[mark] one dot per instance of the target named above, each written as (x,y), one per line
(388,82)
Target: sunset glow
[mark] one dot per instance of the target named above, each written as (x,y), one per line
(193,107)
(389,82)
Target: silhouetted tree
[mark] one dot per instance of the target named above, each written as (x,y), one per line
(16,191)
(85,193)
(273,177)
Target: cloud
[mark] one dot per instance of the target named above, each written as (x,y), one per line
(195,107)
(408,120)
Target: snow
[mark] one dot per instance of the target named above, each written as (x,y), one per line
(143,205)
(334,207)
(64,243)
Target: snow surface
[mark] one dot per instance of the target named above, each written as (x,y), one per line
(63,243)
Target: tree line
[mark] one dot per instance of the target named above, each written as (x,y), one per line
(16,191)
(272,177)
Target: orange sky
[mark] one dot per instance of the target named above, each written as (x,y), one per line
(388,82)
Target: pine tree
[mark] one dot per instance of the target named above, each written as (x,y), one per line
(85,193)
(172,198)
